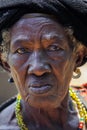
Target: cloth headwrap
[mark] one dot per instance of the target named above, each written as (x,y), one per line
(70,13)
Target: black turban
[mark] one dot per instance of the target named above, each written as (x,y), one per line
(70,13)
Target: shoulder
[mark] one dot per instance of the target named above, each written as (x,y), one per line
(7,115)
(7,108)
(7,103)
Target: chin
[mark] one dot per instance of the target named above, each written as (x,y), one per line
(43,103)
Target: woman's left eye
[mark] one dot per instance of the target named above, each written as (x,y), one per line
(54,48)
(22,50)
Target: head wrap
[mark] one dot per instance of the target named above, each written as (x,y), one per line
(70,13)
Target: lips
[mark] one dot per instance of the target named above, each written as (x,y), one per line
(40,89)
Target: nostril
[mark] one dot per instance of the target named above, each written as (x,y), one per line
(48,68)
(40,76)
(44,75)
(39,70)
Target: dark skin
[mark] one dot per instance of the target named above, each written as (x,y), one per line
(41,63)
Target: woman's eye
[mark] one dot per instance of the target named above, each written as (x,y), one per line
(22,50)
(54,48)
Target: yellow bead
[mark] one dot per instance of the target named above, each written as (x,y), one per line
(81,108)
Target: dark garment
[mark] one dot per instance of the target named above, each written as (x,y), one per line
(70,13)
(7,116)
(8,120)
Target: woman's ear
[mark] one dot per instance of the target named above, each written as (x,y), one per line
(81,56)
(4,64)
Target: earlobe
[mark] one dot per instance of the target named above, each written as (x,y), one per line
(79,60)
(81,57)
(5,65)
(3,62)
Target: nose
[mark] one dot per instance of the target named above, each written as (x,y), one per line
(39,69)
(39,66)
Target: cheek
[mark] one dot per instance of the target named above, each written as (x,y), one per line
(17,60)
(59,68)
(18,65)
(68,71)
(19,79)
(63,69)
(18,72)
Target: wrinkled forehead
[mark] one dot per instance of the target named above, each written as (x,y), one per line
(36,17)
(38,22)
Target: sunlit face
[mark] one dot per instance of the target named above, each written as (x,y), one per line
(41,61)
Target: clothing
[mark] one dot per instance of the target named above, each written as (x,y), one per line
(7,116)
(69,13)
(81,92)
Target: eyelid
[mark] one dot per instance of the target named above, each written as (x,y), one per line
(22,50)
(56,45)
(21,44)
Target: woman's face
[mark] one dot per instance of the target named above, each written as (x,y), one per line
(41,61)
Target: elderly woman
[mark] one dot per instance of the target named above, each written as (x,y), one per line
(40,47)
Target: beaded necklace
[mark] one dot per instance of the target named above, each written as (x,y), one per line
(80,106)
(81,109)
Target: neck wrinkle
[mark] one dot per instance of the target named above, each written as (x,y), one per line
(46,118)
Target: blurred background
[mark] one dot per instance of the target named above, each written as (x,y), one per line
(8,90)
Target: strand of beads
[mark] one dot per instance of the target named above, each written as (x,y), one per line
(81,109)
(19,115)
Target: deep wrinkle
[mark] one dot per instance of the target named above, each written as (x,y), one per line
(48,39)
(30,69)
(38,59)
(42,61)
(51,34)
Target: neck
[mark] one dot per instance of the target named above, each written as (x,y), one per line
(48,118)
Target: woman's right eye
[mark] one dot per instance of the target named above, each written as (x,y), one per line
(23,50)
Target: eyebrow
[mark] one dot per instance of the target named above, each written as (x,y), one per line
(52,35)
(20,38)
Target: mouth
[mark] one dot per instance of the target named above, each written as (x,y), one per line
(40,89)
